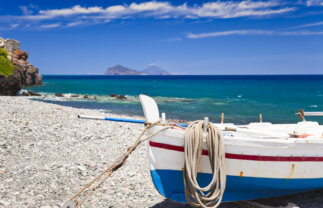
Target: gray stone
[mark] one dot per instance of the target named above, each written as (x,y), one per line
(70,204)
(46,206)
(2,42)
(12,84)
(10,45)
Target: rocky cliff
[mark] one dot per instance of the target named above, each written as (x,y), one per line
(23,73)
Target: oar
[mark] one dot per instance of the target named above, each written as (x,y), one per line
(112,119)
(119,119)
(301,114)
(313,113)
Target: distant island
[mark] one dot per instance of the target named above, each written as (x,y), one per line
(150,70)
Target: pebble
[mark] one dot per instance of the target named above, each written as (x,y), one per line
(5,203)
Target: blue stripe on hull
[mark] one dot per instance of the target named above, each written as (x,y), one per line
(170,184)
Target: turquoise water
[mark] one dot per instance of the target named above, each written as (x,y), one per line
(240,98)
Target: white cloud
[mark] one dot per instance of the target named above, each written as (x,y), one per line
(14,25)
(74,10)
(76,23)
(251,32)
(25,10)
(314,2)
(230,32)
(308,25)
(259,4)
(47,26)
(230,9)
(157,9)
(219,9)
(173,39)
(115,9)
(294,33)
(151,6)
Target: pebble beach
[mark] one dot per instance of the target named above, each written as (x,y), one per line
(47,154)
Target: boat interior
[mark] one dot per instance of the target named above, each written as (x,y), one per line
(303,129)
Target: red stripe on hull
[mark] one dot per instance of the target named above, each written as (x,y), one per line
(243,157)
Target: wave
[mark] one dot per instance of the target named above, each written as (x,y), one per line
(107,98)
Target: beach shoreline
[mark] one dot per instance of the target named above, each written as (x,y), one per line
(48,154)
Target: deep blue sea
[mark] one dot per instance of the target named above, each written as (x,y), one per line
(241,98)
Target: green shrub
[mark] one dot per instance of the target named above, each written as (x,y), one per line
(6,67)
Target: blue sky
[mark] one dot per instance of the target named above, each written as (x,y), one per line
(183,37)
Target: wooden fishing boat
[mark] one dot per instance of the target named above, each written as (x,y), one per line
(262,159)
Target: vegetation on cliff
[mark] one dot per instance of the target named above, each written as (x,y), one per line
(6,67)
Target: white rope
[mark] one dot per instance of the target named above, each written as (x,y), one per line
(210,195)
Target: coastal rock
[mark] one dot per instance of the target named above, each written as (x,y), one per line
(89,97)
(11,45)
(12,84)
(29,93)
(24,73)
(25,93)
(75,95)
(59,95)
(121,97)
(1,42)
(19,54)
(20,92)
(30,73)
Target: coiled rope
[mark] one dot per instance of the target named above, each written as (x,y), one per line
(210,195)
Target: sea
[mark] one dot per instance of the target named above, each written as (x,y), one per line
(240,97)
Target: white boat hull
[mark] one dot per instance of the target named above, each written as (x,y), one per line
(255,168)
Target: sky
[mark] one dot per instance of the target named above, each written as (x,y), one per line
(182,37)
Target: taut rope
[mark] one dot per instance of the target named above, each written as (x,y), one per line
(210,195)
(193,151)
(73,203)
